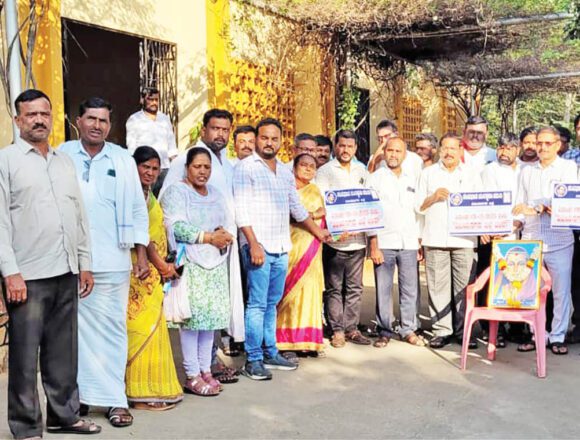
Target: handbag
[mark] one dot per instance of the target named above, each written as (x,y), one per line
(176,303)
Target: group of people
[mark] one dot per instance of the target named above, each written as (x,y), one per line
(99,242)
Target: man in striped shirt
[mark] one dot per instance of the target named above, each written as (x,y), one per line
(534,208)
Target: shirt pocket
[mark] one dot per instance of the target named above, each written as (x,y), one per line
(107,187)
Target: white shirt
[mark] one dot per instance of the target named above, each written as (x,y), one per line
(499,177)
(480,159)
(264,200)
(535,188)
(436,229)
(397,194)
(156,133)
(413,164)
(98,179)
(333,176)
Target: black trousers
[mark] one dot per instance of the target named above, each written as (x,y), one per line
(343,269)
(47,324)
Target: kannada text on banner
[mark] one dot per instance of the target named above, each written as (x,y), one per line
(566,206)
(353,210)
(480,213)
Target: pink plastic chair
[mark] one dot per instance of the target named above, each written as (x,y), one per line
(535,318)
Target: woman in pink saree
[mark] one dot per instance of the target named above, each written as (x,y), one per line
(299,325)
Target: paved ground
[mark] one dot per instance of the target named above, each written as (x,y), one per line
(363,392)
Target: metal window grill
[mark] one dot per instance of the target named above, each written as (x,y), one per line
(412,119)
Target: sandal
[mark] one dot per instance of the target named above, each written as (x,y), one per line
(225,375)
(559,348)
(196,385)
(153,406)
(415,340)
(81,427)
(207,376)
(381,342)
(527,346)
(119,417)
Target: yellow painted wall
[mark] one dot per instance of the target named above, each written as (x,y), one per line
(5,122)
(182,22)
(261,38)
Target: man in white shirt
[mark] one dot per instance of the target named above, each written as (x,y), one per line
(118,221)
(396,245)
(449,260)
(528,139)
(387,129)
(344,259)
(533,205)
(475,152)
(501,175)
(323,149)
(152,128)
(244,142)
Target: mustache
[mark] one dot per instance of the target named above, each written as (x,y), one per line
(39,125)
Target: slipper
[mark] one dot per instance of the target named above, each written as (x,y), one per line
(153,406)
(225,375)
(86,427)
(119,417)
(528,346)
(559,348)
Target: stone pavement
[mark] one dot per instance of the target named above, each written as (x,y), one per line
(363,392)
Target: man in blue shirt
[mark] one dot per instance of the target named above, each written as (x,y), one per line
(118,221)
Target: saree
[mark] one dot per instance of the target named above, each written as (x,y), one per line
(150,374)
(299,322)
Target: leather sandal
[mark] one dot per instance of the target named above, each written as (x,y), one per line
(338,340)
(225,375)
(207,376)
(196,385)
(119,417)
(415,340)
(153,406)
(356,337)
(381,342)
(80,427)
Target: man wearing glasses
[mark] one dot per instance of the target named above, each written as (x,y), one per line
(534,208)
(476,153)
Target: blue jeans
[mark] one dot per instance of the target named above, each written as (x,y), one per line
(406,263)
(265,288)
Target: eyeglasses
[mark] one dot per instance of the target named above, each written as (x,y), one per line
(87,171)
(545,144)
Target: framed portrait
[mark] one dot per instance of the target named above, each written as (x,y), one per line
(514,280)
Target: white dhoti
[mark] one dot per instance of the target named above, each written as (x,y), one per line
(236,328)
(103,341)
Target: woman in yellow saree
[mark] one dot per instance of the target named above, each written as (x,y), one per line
(299,323)
(151,379)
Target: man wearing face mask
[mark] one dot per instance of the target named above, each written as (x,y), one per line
(215,134)
(475,152)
